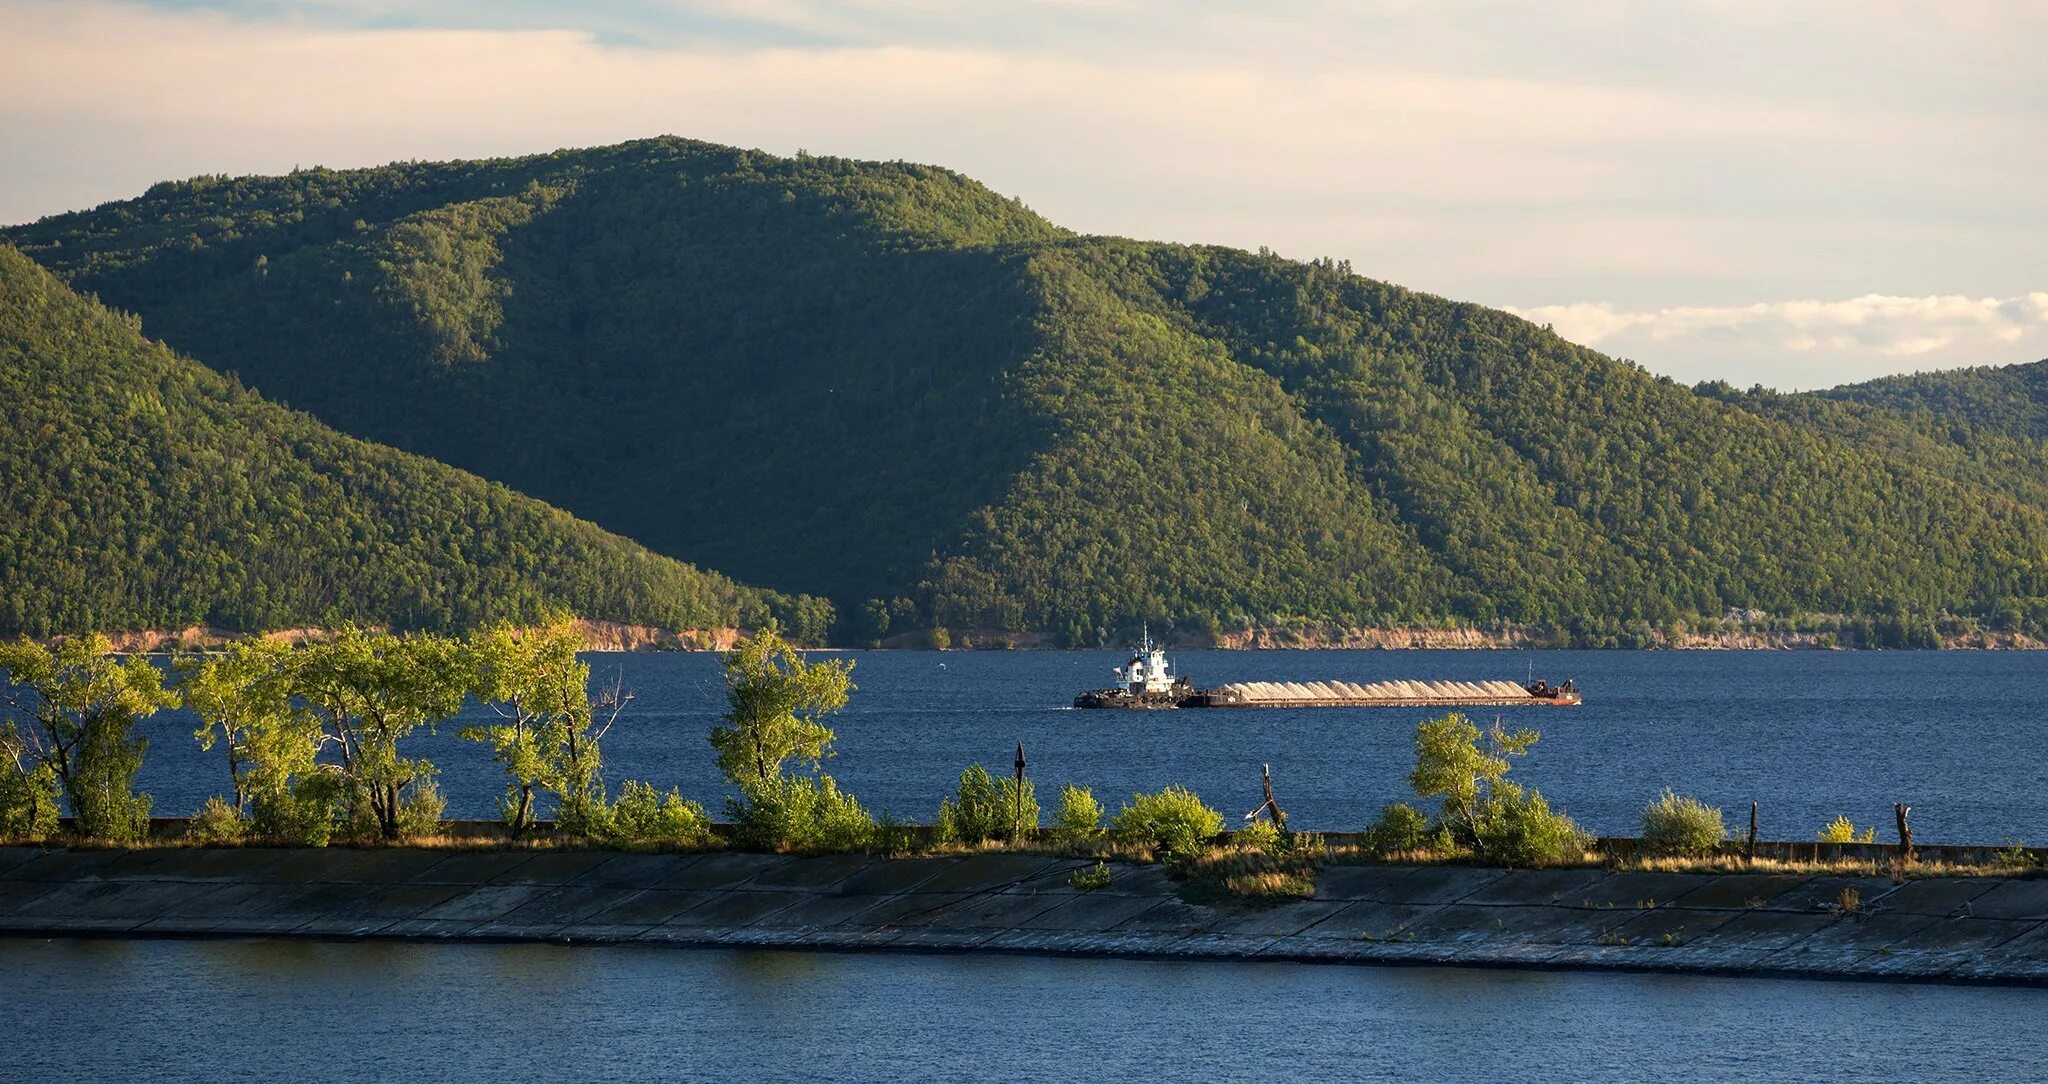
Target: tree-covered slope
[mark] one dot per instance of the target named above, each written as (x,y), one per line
(145,490)
(885,383)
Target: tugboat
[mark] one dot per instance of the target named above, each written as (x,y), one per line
(1144,682)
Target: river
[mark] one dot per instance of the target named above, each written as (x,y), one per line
(1961,736)
(380,1012)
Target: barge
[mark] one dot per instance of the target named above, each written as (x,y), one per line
(1147,682)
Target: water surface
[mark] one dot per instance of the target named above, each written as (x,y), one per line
(1961,736)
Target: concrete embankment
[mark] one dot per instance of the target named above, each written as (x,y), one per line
(1957,929)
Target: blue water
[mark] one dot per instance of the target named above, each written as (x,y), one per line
(1960,736)
(279,1010)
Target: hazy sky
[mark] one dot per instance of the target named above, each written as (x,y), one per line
(1781,192)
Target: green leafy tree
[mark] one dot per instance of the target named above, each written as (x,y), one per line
(1078,819)
(549,730)
(775,702)
(247,699)
(1466,770)
(1172,821)
(73,709)
(370,691)
(28,791)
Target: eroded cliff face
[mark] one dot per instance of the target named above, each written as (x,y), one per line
(597,636)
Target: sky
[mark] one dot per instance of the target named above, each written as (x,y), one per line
(1796,193)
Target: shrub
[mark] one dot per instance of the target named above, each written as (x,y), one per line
(1090,878)
(645,815)
(1400,828)
(419,812)
(1079,819)
(1172,821)
(1682,827)
(28,795)
(985,809)
(1518,828)
(799,813)
(1843,830)
(217,823)
(1259,835)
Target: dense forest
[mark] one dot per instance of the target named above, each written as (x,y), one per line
(886,384)
(144,490)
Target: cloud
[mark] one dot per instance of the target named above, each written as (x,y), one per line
(1891,327)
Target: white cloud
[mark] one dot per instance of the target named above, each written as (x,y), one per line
(1950,325)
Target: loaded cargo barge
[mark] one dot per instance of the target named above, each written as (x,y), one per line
(1146,682)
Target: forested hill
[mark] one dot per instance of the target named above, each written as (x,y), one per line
(146,491)
(884,383)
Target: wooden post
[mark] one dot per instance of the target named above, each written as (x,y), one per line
(1279,818)
(1900,809)
(1752,829)
(1017,819)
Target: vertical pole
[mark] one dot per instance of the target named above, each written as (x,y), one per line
(1900,809)
(1279,818)
(1752,829)
(1017,819)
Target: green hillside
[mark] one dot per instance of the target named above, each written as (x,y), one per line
(884,383)
(147,491)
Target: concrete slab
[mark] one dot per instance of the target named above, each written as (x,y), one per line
(138,901)
(1365,919)
(651,907)
(553,868)
(348,865)
(2017,899)
(739,908)
(1741,891)
(1359,882)
(823,910)
(1817,892)
(10,857)
(485,903)
(14,895)
(910,909)
(637,870)
(810,874)
(1761,932)
(593,933)
(1170,916)
(205,864)
(66,864)
(1125,879)
(472,867)
(2026,951)
(1089,912)
(990,911)
(728,869)
(1285,920)
(563,906)
(1636,889)
(890,876)
(1847,938)
(1439,884)
(1538,886)
(72,898)
(429,929)
(988,872)
(1941,896)
(1466,923)
(1666,926)
(1962,936)
(1054,877)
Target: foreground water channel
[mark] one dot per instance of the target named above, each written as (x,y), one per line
(1958,735)
(264,1010)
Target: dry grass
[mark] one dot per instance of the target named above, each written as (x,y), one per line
(1246,875)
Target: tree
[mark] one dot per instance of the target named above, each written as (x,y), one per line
(72,709)
(549,727)
(246,698)
(1480,809)
(370,691)
(28,791)
(774,700)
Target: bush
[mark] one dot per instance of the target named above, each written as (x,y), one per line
(985,809)
(28,798)
(1173,822)
(1681,827)
(1079,819)
(217,823)
(1518,828)
(419,812)
(298,815)
(798,813)
(1399,829)
(645,815)
(1258,835)
(1090,878)
(1843,830)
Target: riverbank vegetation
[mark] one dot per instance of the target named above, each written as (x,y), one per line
(316,747)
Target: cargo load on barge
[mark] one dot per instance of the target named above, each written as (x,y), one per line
(1146,682)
